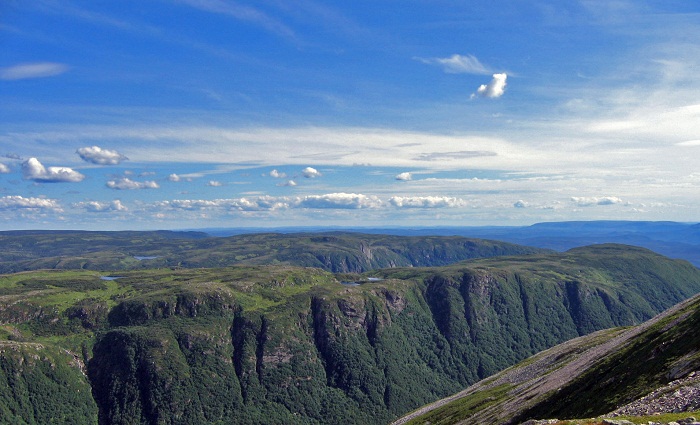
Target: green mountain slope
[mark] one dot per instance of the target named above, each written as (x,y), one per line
(336,252)
(588,377)
(283,344)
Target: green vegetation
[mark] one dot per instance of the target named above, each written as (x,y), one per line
(337,252)
(289,344)
(463,407)
(666,351)
(663,350)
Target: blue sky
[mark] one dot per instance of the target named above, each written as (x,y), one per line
(157,114)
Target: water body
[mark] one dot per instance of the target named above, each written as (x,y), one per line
(369,280)
(111,277)
(141,258)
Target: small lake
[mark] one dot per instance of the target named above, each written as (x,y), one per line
(142,257)
(110,277)
(369,280)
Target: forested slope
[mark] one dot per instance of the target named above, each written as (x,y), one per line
(282,344)
(645,370)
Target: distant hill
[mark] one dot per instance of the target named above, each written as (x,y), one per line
(646,370)
(271,344)
(675,240)
(335,251)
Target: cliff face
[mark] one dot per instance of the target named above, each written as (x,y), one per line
(293,345)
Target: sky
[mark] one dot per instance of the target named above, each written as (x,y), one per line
(181,114)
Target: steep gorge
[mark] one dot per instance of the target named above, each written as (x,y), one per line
(292,345)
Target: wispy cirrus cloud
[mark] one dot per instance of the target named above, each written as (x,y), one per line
(457,64)
(35,170)
(32,70)
(244,13)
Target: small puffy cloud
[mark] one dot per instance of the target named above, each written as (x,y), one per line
(19,202)
(426,202)
(125,183)
(278,175)
(34,170)
(97,155)
(494,89)
(339,201)
(288,183)
(179,178)
(588,201)
(97,206)
(404,177)
(458,64)
(214,183)
(4,169)
(520,204)
(32,70)
(310,173)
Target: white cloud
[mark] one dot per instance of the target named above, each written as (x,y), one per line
(261,203)
(426,202)
(288,183)
(310,173)
(494,89)
(339,200)
(97,206)
(4,169)
(34,170)
(404,176)
(214,183)
(32,70)
(19,202)
(520,204)
(97,155)
(458,64)
(297,146)
(244,13)
(278,175)
(588,201)
(174,178)
(125,183)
